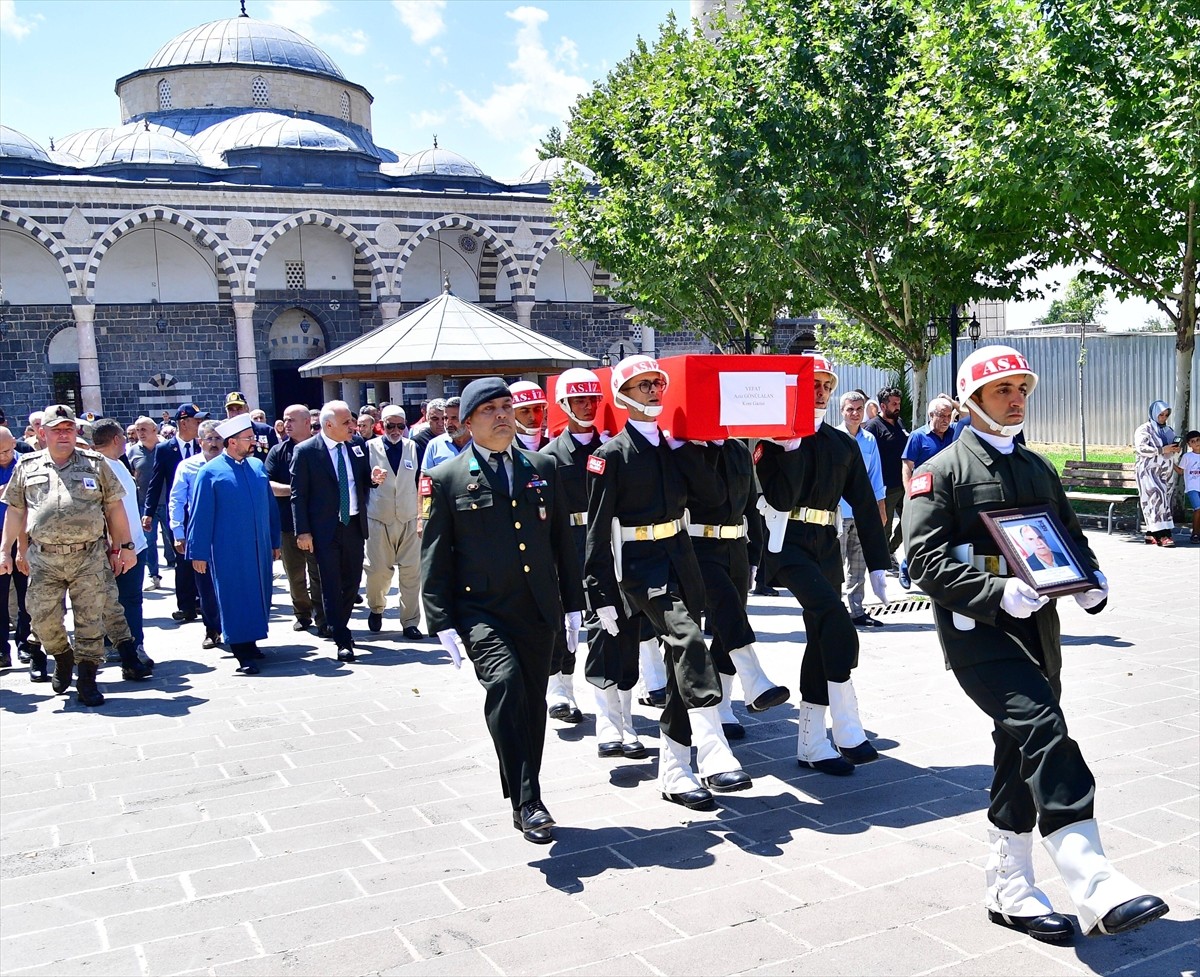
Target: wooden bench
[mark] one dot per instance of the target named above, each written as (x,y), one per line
(1117,476)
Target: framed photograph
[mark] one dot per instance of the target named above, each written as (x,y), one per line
(1039,551)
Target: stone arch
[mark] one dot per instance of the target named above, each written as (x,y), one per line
(320,219)
(201,232)
(47,240)
(509,266)
(539,258)
(290,343)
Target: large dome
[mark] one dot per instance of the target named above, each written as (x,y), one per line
(17,145)
(244,40)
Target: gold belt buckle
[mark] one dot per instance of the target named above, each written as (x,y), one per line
(712,532)
(991,564)
(731,532)
(643,533)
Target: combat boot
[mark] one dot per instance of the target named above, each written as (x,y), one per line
(132,668)
(63,664)
(85,685)
(37,664)
(5,658)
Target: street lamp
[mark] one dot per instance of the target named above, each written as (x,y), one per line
(974,331)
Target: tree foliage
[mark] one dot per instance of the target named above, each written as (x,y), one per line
(1081,303)
(551,145)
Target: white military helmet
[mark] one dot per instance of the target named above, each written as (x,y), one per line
(984,365)
(629,368)
(821,364)
(577,382)
(527,394)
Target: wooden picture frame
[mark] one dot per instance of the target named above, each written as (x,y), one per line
(1039,550)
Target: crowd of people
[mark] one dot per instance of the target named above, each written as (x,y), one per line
(620,547)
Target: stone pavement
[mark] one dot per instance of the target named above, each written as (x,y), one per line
(320,819)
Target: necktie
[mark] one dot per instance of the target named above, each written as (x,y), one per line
(501,471)
(187,449)
(343,487)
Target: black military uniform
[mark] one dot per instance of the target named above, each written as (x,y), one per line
(499,567)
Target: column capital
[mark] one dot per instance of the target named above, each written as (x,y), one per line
(243,307)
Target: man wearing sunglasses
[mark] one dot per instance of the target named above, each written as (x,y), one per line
(394,540)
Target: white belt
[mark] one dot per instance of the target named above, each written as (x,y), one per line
(701,531)
(818,517)
(661,530)
(578,518)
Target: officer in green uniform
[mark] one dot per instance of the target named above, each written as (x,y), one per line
(64,504)
(1001,639)
(499,568)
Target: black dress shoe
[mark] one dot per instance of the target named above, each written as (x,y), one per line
(564,712)
(766,592)
(1051,928)
(534,822)
(325,631)
(775,696)
(863,753)
(1132,914)
(23,652)
(345,654)
(728,782)
(835,766)
(413,633)
(375,621)
(184,616)
(655,698)
(693,800)
(358,598)
(37,666)
(255,655)
(866,621)
(248,668)
(633,751)
(301,625)
(609,749)
(210,640)
(733,731)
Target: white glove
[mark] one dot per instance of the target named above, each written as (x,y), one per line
(1090,598)
(879,585)
(753,577)
(453,644)
(608,619)
(673,443)
(574,622)
(1020,600)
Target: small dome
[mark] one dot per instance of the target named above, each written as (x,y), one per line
(17,145)
(549,170)
(144,145)
(86,143)
(396,168)
(65,159)
(230,132)
(438,162)
(244,40)
(297,134)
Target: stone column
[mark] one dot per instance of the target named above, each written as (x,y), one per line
(329,390)
(523,305)
(89,363)
(389,310)
(648,340)
(435,386)
(352,394)
(395,392)
(243,313)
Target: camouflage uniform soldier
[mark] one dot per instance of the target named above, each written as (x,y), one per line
(63,504)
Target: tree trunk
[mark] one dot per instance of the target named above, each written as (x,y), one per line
(1185,334)
(920,393)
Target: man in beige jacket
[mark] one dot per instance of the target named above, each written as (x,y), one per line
(394,540)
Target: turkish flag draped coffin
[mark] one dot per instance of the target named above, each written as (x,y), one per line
(713,396)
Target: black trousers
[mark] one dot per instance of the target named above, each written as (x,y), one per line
(893,504)
(20,582)
(832,642)
(1040,775)
(512,663)
(340,563)
(187,598)
(612,659)
(725,603)
(210,612)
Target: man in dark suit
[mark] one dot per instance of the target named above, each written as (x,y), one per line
(167,457)
(499,567)
(331,479)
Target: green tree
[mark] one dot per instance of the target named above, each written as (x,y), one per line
(1081,303)
(551,144)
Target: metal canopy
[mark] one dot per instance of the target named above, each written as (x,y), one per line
(445,336)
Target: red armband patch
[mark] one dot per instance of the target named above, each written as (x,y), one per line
(920,485)
(425,487)
(595,465)
(758,452)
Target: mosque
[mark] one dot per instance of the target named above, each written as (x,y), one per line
(242,220)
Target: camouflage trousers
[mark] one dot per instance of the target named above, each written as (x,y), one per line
(88,579)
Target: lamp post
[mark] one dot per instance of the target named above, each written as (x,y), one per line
(974,331)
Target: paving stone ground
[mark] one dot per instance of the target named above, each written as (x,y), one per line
(325,819)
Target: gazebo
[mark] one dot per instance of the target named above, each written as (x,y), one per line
(445,337)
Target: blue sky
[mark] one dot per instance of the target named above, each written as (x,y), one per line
(488,77)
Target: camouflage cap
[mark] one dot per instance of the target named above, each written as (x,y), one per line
(57,414)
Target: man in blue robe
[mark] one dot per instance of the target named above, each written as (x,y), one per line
(233,530)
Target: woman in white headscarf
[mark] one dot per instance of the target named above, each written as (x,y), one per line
(1155,446)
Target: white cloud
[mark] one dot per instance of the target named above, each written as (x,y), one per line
(13,24)
(423,18)
(302,15)
(542,90)
(420,121)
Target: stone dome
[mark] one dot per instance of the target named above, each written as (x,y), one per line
(86,143)
(17,145)
(437,162)
(297,133)
(549,170)
(244,41)
(144,145)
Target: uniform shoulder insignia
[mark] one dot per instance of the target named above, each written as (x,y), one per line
(426,485)
(758,452)
(920,485)
(595,465)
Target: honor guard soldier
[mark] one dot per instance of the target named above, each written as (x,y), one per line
(579,394)
(499,567)
(1001,639)
(64,505)
(529,411)
(722,538)
(802,481)
(640,561)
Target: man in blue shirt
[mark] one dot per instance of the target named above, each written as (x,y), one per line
(446,446)
(927,441)
(854,404)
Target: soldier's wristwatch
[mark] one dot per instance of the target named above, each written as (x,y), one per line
(126,546)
